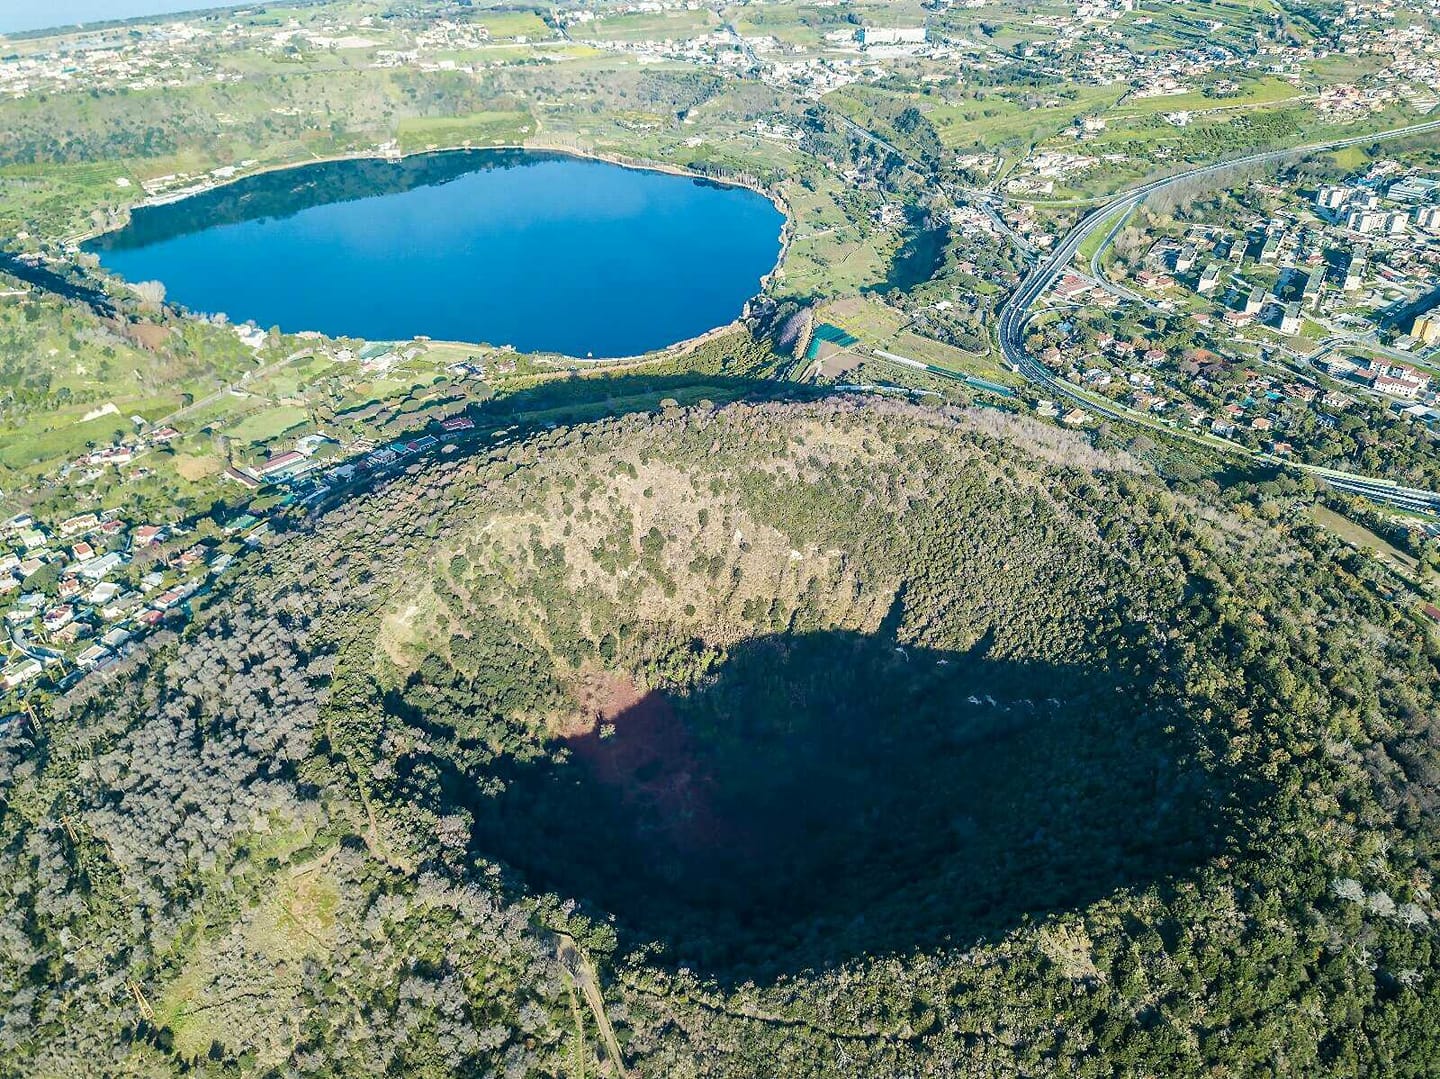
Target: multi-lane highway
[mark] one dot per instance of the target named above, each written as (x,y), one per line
(1019,308)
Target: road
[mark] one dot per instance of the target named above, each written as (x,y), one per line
(1097,270)
(1019,309)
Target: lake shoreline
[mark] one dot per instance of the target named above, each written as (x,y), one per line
(680,347)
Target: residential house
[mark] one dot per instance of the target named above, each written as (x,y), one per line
(96,569)
(17,674)
(91,657)
(74,526)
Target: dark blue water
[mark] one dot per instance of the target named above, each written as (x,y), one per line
(542,252)
(19,15)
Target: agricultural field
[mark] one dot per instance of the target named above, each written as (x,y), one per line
(477,129)
(510,25)
(268,424)
(1248,94)
(678,24)
(993,121)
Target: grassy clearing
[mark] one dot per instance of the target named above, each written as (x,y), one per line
(832,253)
(658,26)
(269,424)
(1361,538)
(476,129)
(930,351)
(805,23)
(998,121)
(294,922)
(443,353)
(512,24)
(1351,159)
(878,325)
(29,448)
(194,469)
(293,378)
(865,317)
(299,917)
(33,445)
(1260,92)
(149,408)
(1095,239)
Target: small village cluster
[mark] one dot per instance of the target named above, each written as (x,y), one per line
(1314,308)
(79,593)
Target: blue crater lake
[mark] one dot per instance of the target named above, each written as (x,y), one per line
(543,252)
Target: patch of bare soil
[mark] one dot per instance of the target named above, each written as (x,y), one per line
(631,741)
(145,334)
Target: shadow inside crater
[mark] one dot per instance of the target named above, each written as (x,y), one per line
(830,795)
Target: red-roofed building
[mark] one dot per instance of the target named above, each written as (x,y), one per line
(1399,387)
(57,617)
(282,461)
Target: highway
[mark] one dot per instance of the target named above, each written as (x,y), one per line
(1018,310)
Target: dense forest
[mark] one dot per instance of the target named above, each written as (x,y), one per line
(832,738)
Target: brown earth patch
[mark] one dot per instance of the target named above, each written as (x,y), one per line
(145,334)
(835,363)
(631,740)
(195,468)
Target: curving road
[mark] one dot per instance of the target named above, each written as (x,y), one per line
(1018,310)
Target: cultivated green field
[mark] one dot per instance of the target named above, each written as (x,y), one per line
(477,129)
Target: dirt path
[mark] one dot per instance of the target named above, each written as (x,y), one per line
(373,838)
(579,1017)
(582,974)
